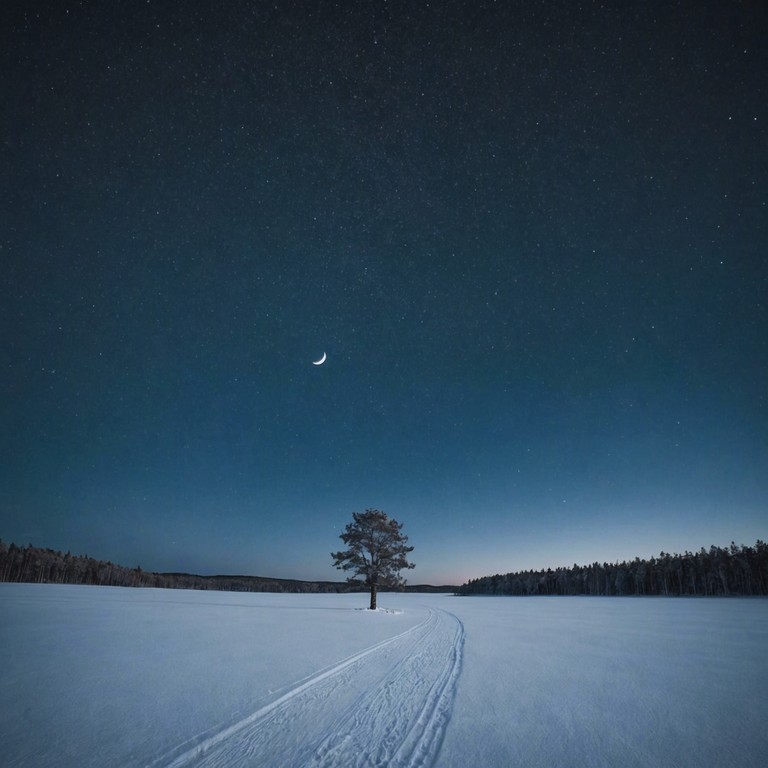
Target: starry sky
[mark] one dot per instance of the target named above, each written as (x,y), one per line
(530,238)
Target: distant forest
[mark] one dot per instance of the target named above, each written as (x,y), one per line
(47,566)
(721,571)
(734,570)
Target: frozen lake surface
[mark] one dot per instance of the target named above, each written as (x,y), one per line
(106,676)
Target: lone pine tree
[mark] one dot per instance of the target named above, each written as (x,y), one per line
(376,551)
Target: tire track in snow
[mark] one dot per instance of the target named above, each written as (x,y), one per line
(385,706)
(403,721)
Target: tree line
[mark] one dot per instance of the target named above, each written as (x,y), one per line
(719,571)
(47,566)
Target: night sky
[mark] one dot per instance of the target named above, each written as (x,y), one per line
(530,237)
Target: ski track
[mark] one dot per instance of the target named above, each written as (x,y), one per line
(387,705)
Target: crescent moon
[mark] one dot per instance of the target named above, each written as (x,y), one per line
(320,361)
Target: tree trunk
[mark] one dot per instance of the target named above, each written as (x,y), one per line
(373,597)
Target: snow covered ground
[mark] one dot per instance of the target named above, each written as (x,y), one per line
(100,676)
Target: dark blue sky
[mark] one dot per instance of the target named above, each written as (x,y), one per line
(530,237)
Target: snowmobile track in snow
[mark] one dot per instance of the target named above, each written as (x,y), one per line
(387,705)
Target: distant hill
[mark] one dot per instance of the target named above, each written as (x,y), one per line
(47,566)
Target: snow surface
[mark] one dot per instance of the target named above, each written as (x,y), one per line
(103,676)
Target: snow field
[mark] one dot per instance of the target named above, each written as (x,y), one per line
(99,676)
(385,706)
(589,682)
